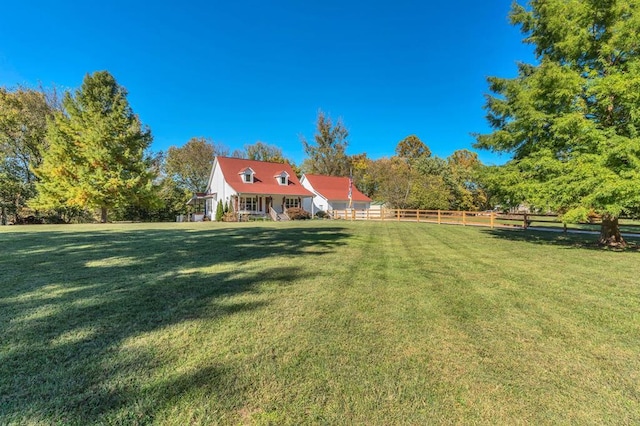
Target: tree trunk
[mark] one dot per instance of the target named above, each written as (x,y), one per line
(3,217)
(103,214)
(610,232)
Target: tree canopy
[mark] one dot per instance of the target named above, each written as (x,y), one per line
(327,154)
(190,164)
(23,124)
(96,155)
(261,151)
(412,148)
(572,120)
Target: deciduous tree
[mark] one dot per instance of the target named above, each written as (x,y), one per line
(361,168)
(190,165)
(327,154)
(429,192)
(394,181)
(14,191)
(465,172)
(572,120)
(412,149)
(261,151)
(23,124)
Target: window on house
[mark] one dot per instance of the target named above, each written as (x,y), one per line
(248,177)
(291,202)
(282,178)
(249,204)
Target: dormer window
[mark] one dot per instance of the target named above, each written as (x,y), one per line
(247,175)
(283,178)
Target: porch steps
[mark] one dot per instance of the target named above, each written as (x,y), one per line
(277,216)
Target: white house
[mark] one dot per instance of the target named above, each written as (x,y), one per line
(252,187)
(332,193)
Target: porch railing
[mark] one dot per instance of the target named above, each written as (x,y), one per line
(277,216)
(273,214)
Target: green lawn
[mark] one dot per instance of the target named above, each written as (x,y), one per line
(322,322)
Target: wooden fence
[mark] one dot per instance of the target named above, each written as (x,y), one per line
(486,219)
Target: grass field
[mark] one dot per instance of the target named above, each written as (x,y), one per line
(321,322)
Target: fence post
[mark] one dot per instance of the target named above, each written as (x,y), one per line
(524,223)
(398,214)
(464,219)
(492,219)
(439,220)
(353,214)
(418,215)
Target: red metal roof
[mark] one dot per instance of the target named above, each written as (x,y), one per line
(264,178)
(335,188)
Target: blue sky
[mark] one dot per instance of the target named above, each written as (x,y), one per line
(248,70)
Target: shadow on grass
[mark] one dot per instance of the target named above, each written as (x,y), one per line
(69,300)
(568,240)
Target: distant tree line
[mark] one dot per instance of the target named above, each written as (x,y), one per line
(570,123)
(86,157)
(411,179)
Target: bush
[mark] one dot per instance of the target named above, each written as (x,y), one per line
(296,213)
(322,215)
(219,211)
(230,217)
(29,220)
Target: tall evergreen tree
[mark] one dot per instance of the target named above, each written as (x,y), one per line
(219,211)
(572,121)
(96,153)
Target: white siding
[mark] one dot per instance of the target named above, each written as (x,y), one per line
(220,187)
(320,203)
(315,204)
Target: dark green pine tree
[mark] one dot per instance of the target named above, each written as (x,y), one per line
(96,154)
(572,121)
(219,211)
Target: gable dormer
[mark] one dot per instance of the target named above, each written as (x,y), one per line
(247,175)
(282,178)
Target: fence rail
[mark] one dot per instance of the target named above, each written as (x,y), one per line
(486,219)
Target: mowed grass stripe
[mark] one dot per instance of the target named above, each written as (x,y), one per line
(318,322)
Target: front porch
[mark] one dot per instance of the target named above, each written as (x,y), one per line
(273,206)
(198,208)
